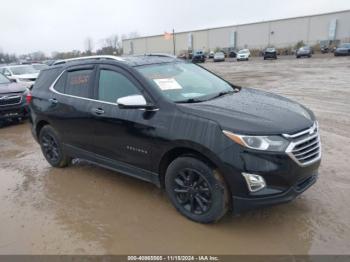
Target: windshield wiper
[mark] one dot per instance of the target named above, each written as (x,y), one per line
(223,93)
(196,100)
(190,100)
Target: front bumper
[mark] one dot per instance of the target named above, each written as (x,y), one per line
(304,54)
(341,53)
(243,204)
(270,55)
(14,112)
(242,58)
(285,178)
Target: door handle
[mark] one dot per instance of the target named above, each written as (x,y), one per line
(53,101)
(98,111)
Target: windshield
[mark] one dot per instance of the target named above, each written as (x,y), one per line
(270,49)
(22,70)
(305,48)
(345,45)
(219,53)
(3,79)
(184,81)
(244,51)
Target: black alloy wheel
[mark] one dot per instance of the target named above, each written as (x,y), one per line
(52,148)
(193,192)
(196,189)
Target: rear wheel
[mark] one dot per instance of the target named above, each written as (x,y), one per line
(196,190)
(52,147)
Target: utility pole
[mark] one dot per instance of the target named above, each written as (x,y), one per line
(174,41)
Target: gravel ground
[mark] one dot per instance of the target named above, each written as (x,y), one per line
(89,210)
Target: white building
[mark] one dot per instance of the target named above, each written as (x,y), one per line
(278,33)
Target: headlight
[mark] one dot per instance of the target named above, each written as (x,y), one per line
(268,143)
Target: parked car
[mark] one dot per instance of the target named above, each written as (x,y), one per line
(270,53)
(342,50)
(219,57)
(243,55)
(198,57)
(26,74)
(212,145)
(13,106)
(40,67)
(232,54)
(304,51)
(211,54)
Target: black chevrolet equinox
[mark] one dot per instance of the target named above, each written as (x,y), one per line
(212,145)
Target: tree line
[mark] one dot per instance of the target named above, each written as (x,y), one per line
(111,45)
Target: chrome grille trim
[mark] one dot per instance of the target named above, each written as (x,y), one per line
(9,100)
(310,152)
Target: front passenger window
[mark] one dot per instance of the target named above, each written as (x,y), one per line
(114,85)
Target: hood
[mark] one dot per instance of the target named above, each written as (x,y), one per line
(342,49)
(254,112)
(28,76)
(12,88)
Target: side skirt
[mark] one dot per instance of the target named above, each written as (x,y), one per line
(113,165)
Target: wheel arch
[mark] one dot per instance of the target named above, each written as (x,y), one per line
(40,126)
(198,152)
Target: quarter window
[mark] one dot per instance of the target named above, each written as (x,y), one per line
(59,86)
(114,85)
(78,83)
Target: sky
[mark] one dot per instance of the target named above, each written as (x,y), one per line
(63,25)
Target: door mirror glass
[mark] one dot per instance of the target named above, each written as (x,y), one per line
(132,102)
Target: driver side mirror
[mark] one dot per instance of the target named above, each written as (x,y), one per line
(134,102)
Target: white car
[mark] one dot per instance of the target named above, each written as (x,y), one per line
(243,55)
(219,56)
(25,74)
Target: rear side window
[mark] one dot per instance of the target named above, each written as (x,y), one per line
(78,83)
(114,85)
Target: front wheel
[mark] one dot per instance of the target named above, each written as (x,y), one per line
(52,147)
(196,190)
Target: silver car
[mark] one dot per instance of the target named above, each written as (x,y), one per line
(219,57)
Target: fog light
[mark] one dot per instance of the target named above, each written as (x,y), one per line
(254,182)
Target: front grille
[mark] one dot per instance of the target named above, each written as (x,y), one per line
(10,100)
(305,147)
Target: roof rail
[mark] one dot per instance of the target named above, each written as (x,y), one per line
(160,54)
(97,57)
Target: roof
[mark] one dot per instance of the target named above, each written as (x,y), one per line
(137,60)
(150,59)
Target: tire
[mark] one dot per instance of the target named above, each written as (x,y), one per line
(51,147)
(196,190)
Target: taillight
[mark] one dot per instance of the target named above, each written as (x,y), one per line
(29,98)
